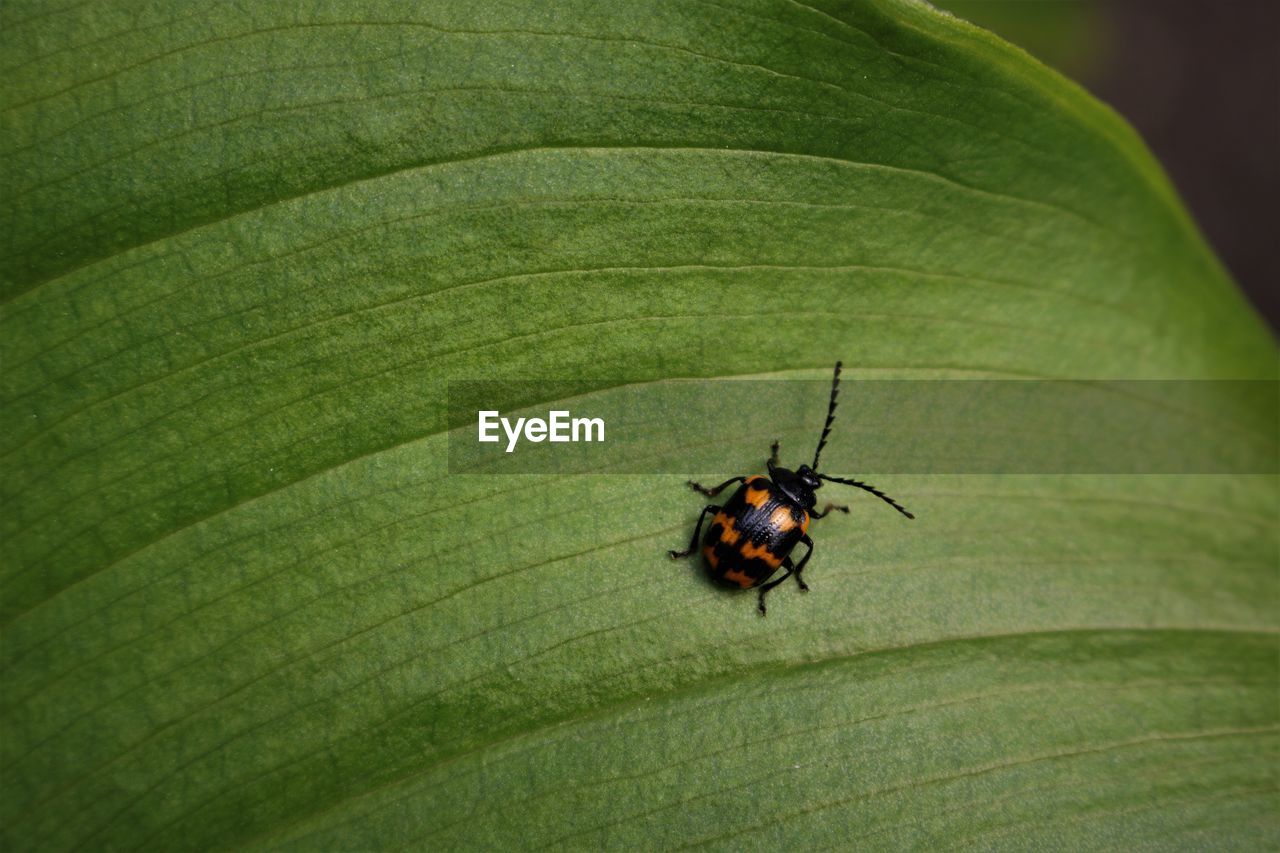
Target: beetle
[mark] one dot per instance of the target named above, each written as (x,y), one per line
(753,534)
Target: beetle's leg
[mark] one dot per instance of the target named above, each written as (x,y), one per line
(697,534)
(792,571)
(804,587)
(773,455)
(711,493)
(770,585)
(826,509)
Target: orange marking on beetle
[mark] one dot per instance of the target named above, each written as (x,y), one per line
(750,551)
(728,534)
(709,553)
(804,522)
(741,578)
(757,496)
(780,519)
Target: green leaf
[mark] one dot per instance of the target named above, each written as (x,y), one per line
(1072,36)
(245,248)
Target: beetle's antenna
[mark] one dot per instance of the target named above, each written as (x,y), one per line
(872,489)
(831,416)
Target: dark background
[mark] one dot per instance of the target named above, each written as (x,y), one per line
(1200,81)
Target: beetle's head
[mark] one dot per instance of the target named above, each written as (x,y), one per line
(809,477)
(799,485)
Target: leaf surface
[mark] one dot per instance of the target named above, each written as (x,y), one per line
(245,248)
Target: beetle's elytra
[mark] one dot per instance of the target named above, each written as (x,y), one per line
(753,534)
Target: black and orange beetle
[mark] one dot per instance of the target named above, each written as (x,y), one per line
(753,534)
